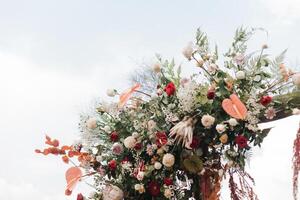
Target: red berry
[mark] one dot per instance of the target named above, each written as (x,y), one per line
(112,165)
(211,94)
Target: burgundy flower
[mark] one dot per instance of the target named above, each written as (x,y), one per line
(241,141)
(161,139)
(170,89)
(195,143)
(168,181)
(154,188)
(265,100)
(138,146)
(211,94)
(114,136)
(80,196)
(112,165)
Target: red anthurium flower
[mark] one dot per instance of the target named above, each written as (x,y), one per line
(168,181)
(154,188)
(114,136)
(241,141)
(265,100)
(170,89)
(80,196)
(112,165)
(161,139)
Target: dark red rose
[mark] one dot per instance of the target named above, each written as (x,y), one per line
(112,165)
(241,141)
(211,94)
(80,196)
(195,143)
(154,188)
(125,159)
(170,89)
(138,146)
(265,100)
(161,139)
(114,136)
(168,181)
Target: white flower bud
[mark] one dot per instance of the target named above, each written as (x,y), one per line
(111,92)
(240,75)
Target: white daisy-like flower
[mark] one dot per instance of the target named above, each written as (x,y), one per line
(270,113)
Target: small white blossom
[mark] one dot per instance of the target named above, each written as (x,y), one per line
(240,75)
(221,128)
(107,129)
(111,92)
(157,165)
(232,122)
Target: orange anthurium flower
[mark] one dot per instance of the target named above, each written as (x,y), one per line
(125,96)
(73,175)
(234,107)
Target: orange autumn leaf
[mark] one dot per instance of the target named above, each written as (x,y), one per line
(73,175)
(234,107)
(125,96)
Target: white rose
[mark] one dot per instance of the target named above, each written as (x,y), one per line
(168,160)
(91,123)
(157,165)
(140,188)
(156,68)
(188,51)
(220,128)
(129,142)
(140,176)
(232,122)
(296,79)
(207,121)
(107,129)
(168,193)
(111,92)
(112,192)
(240,75)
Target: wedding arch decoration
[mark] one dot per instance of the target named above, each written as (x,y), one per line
(170,137)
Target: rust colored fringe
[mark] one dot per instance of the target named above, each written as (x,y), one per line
(296,164)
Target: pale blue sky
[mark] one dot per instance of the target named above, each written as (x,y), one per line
(57,56)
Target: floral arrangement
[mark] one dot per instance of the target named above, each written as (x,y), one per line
(181,137)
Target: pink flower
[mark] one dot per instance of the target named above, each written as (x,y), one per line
(117,148)
(270,113)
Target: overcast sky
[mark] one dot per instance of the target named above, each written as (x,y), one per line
(57,56)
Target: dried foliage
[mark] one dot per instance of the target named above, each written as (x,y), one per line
(296,164)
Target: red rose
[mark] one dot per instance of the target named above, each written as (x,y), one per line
(112,165)
(80,196)
(168,181)
(114,136)
(195,143)
(161,139)
(170,89)
(154,188)
(211,94)
(265,100)
(138,146)
(241,141)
